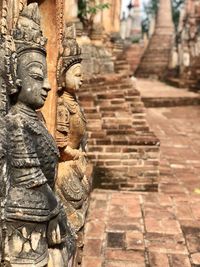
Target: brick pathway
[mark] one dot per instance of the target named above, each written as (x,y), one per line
(127,229)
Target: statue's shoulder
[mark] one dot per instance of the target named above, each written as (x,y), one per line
(14,120)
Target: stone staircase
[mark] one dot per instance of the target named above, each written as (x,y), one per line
(134,53)
(124,151)
(122,66)
(155,60)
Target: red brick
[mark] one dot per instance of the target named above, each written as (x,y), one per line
(179,261)
(196,258)
(91,262)
(153,225)
(95,229)
(196,210)
(171,226)
(117,254)
(183,211)
(158,260)
(163,243)
(134,240)
(123,264)
(92,248)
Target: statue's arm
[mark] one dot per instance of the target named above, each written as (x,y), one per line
(22,154)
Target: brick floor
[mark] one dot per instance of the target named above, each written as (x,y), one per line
(127,229)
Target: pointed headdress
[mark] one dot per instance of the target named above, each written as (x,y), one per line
(70,53)
(27,34)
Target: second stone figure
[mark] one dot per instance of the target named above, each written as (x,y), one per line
(72,184)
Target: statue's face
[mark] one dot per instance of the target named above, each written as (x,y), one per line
(74,78)
(32,72)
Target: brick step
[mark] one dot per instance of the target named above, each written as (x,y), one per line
(117,127)
(171,101)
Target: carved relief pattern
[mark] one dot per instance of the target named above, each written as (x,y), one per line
(72,184)
(60,19)
(34,227)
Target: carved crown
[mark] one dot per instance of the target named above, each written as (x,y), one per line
(70,52)
(28,34)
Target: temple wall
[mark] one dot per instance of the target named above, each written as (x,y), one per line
(111,16)
(185,71)
(50,29)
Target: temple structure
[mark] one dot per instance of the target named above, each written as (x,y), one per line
(186,68)
(45,209)
(131,25)
(117,108)
(155,60)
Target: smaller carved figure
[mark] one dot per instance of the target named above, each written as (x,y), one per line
(72,184)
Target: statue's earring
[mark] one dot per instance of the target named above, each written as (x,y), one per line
(15,89)
(18,83)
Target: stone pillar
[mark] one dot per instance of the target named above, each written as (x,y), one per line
(111,16)
(71,15)
(136,25)
(156,58)
(97,28)
(164,23)
(52,29)
(71,11)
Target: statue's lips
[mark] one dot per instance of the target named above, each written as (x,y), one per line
(44,97)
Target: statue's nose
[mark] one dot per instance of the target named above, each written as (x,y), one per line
(46,85)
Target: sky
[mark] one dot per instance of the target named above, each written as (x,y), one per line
(126,2)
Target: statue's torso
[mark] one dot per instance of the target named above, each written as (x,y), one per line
(71,122)
(33,158)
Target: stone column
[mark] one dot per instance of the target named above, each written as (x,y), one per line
(98,28)
(164,21)
(111,16)
(71,11)
(71,15)
(136,31)
(52,29)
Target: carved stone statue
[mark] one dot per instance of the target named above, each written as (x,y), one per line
(72,184)
(37,233)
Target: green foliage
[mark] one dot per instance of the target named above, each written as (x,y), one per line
(87,9)
(151,7)
(176,6)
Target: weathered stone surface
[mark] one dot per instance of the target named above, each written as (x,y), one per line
(72,184)
(34,227)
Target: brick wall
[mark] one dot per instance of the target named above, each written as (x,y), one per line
(124,151)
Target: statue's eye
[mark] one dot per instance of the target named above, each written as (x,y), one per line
(78,75)
(37,76)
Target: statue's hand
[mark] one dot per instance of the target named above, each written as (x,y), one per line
(59,231)
(54,235)
(75,153)
(79,154)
